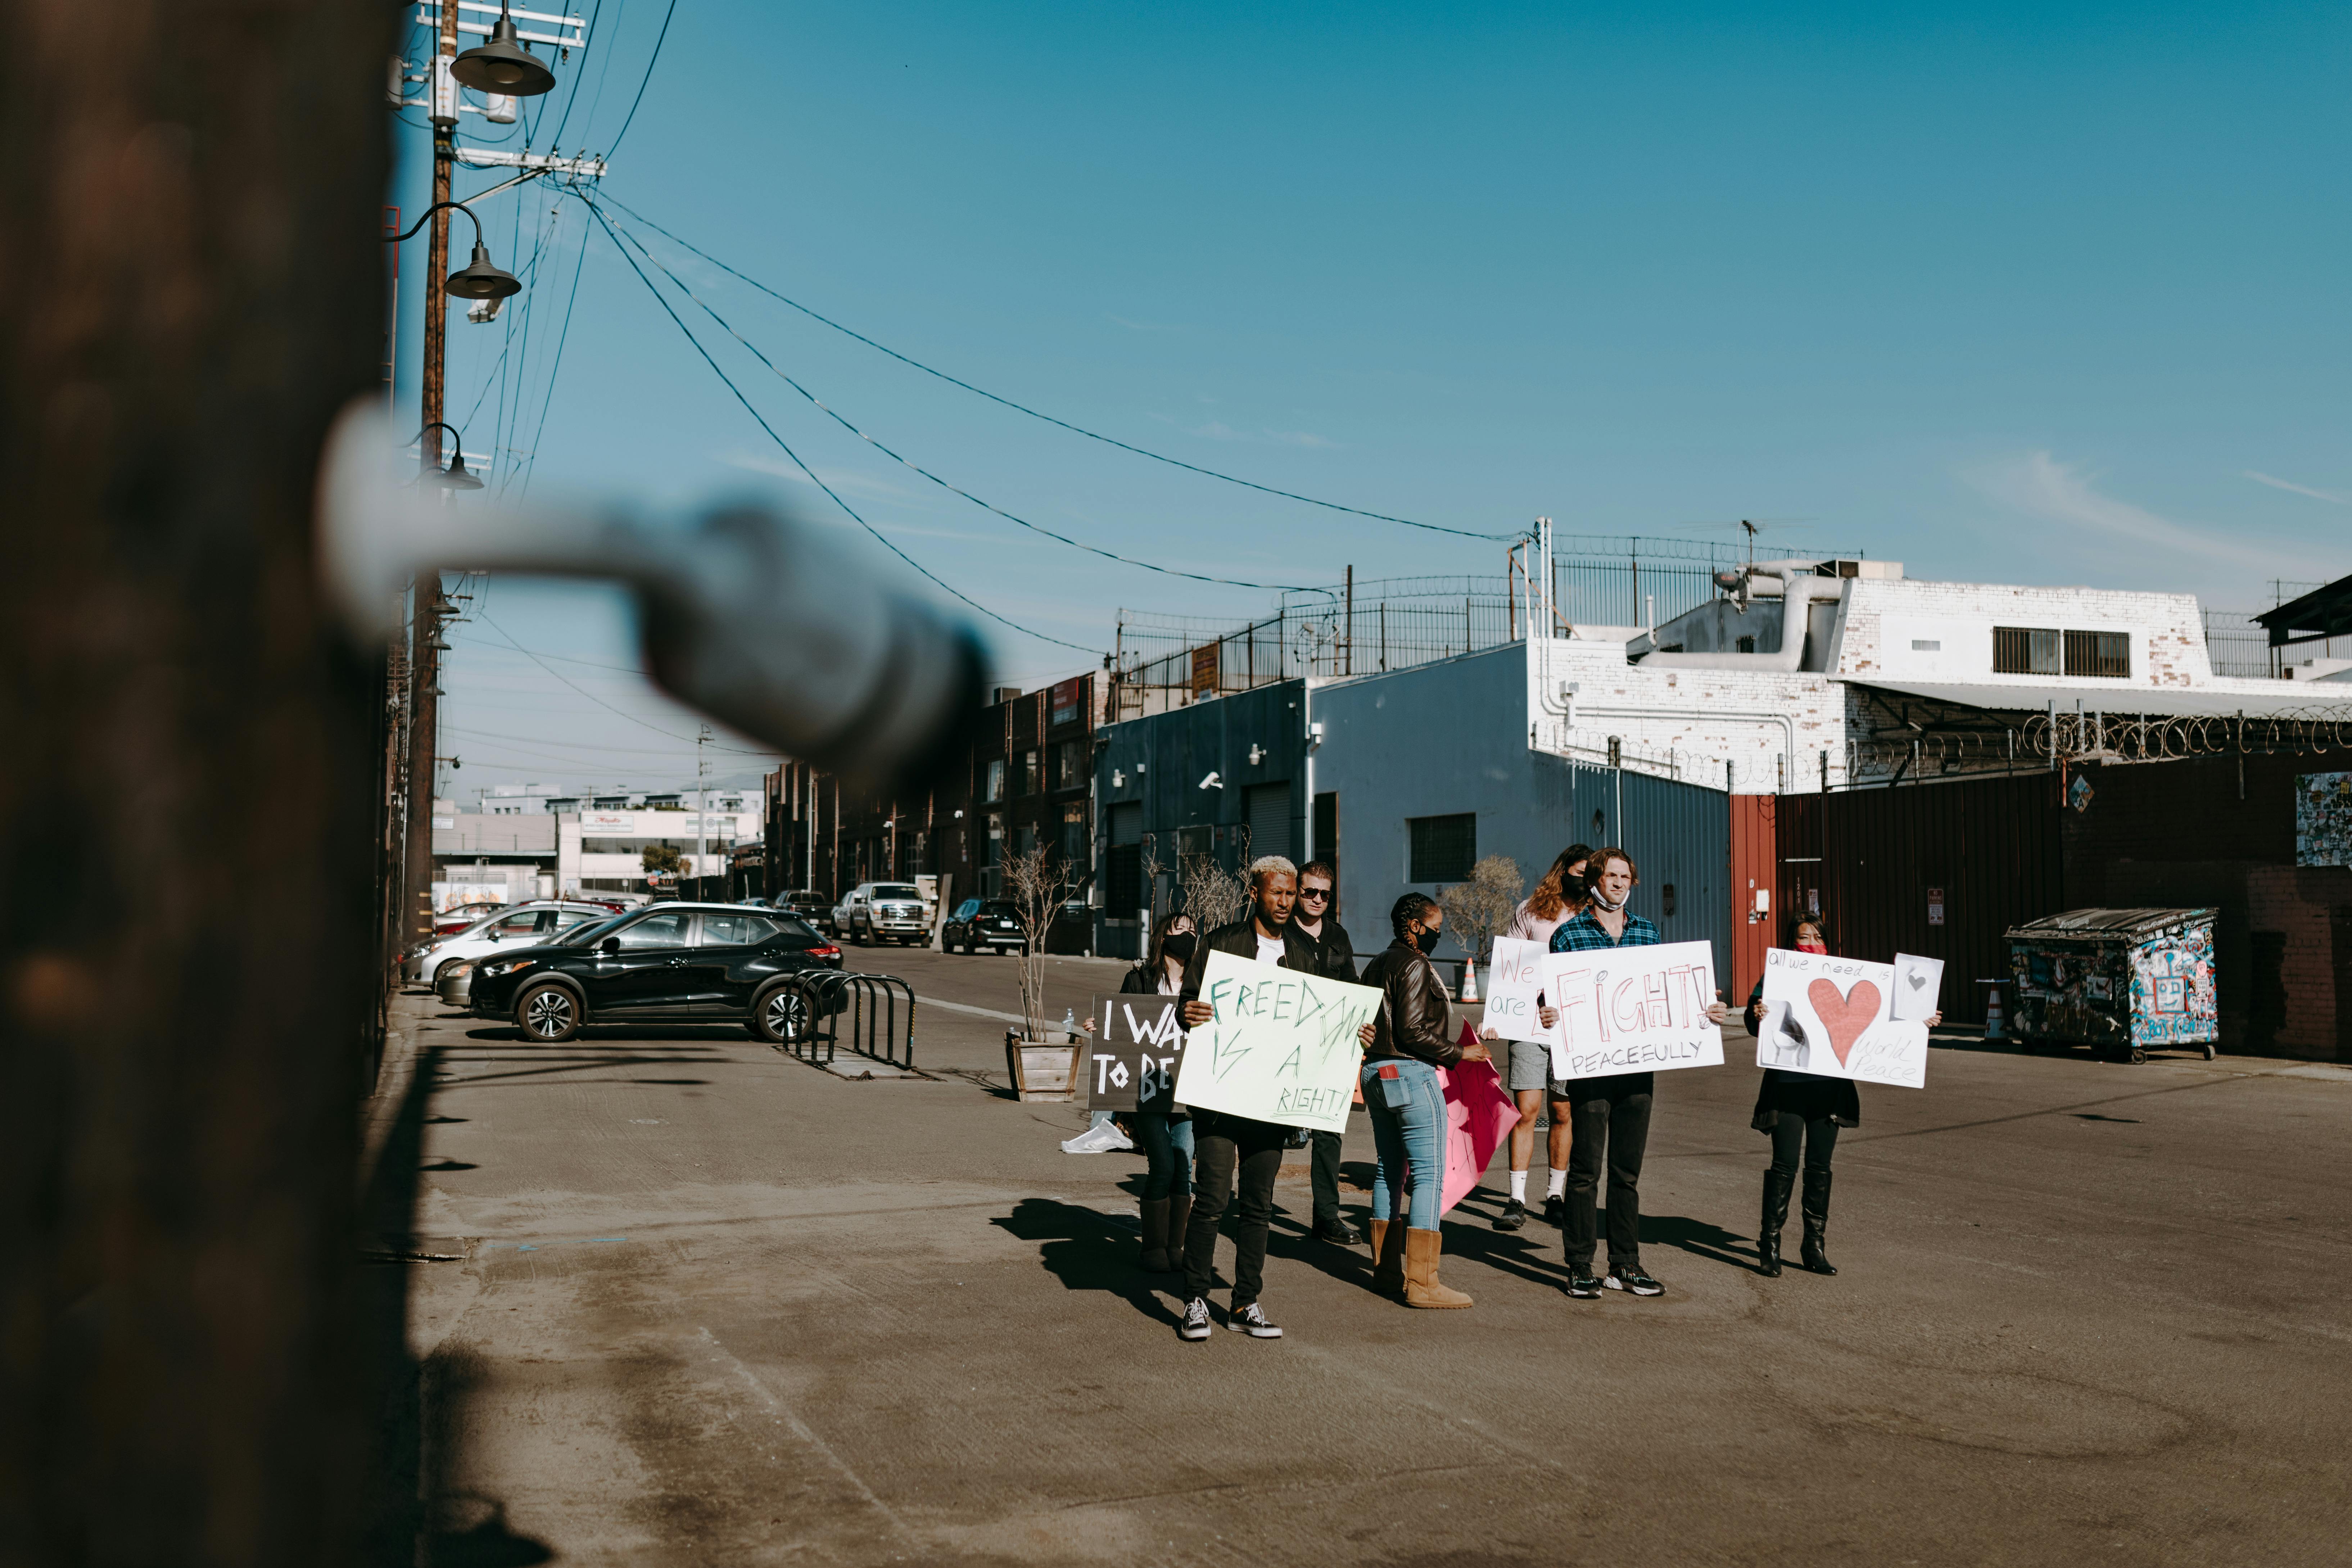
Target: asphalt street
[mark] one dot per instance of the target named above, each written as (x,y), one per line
(698,1301)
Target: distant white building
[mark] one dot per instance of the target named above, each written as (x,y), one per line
(603,851)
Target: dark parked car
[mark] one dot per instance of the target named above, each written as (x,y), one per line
(669,964)
(983,924)
(808,904)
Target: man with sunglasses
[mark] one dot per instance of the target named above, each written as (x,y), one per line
(1334,960)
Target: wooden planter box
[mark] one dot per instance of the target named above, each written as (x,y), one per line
(1044,1069)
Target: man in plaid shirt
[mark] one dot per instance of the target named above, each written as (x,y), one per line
(1614,1109)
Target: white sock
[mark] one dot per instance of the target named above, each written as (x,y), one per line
(1518,1186)
(1556,1184)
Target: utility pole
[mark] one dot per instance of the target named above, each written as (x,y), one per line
(701,828)
(425,625)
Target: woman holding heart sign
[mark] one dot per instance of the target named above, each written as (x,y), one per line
(1801,1111)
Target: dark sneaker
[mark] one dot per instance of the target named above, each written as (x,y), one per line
(1338,1233)
(1628,1277)
(1251,1321)
(1555,1210)
(1196,1320)
(1581,1284)
(1514,1216)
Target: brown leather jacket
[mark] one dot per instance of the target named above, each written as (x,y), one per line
(1415,1019)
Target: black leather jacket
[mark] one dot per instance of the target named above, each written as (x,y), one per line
(1415,1019)
(1337,959)
(1299,951)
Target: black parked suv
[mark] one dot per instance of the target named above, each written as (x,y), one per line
(669,964)
(983,924)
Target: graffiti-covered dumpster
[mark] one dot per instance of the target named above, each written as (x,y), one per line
(2123,981)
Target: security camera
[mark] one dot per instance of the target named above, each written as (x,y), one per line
(1213,782)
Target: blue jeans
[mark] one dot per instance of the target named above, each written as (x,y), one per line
(1409,1137)
(1168,1151)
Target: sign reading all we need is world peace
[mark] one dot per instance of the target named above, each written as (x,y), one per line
(1633,1009)
(1282,1046)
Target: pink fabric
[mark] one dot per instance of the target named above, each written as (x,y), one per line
(1478,1117)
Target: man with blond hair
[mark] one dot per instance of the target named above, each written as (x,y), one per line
(1227,1146)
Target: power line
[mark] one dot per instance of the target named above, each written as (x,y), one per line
(837,418)
(583,691)
(647,77)
(786,449)
(1034,414)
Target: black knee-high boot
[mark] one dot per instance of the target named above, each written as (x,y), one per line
(1817,1221)
(1778,1184)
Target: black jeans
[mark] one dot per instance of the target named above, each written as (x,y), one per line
(1818,1137)
(1222,1145)
(1324,1157)
(1614,1112)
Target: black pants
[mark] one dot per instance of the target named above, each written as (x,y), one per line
(1818,1137)
(1324,1155)
(1223,1144)
(1613,1112)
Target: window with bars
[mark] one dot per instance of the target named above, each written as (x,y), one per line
(2024,650)
(1444,848)
(2106,654)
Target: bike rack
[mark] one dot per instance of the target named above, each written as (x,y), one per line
(879,1027)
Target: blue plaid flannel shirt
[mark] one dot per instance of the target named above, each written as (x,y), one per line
(1584,931)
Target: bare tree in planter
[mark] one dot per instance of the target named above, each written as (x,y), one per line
(1035,881)
(1484,905)
(1215,896)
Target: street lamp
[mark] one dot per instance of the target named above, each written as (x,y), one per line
(505,64)
(480,279)
(454,476)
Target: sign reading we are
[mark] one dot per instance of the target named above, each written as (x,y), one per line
(1281,1047)
(1633,1009)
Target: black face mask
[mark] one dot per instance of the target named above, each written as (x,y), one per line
(1179,946)
(1425,939)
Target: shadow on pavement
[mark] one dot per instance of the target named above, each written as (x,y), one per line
(1087,1250)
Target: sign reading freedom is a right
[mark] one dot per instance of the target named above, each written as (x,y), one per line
(1633,1009)
(1282,1046)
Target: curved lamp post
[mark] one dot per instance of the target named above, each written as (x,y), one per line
(505,64)
(480,279)
(454,476)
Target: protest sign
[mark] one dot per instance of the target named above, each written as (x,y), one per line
(1478,1117)
(1282,1046)
(1633,1009)
(1833,1017)
(1515,976)
(1917,984)
(1137,1042)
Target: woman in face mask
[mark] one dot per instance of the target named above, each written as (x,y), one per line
(1802,1113)
(1411,1037)
(1166,1135)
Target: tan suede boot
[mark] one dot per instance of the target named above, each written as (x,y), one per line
(1155,1236)
(1420,1286)
(1388,1258)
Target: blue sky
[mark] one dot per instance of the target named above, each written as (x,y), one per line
(2046,294)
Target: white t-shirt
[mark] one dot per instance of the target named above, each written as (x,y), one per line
(1270,949)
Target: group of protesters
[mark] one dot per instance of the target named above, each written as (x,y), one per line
(1200,1161)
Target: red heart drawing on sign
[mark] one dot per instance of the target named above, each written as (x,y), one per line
(1845,1017)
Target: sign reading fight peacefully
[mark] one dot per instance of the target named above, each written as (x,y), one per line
(1517,975)
(1282,1046)
(1833,1018)
(1137,1042)
(1633,1009)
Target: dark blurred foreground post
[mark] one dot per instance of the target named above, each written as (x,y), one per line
(190,289)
